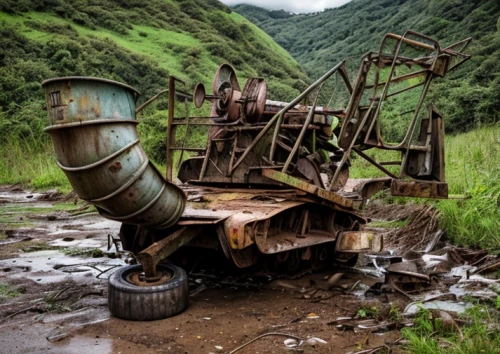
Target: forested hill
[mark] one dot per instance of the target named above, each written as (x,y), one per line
(469,97)
(320,40)
(137,42)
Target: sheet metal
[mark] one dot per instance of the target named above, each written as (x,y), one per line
(93,130)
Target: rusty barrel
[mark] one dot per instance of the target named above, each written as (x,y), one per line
(93,129)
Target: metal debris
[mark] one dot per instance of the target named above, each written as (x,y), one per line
(371,325)
(267,187)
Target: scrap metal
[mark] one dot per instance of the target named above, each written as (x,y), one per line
(269,187)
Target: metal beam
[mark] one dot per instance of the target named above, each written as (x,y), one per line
(307,187)
(158,251)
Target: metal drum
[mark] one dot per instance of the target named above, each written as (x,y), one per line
(93,129)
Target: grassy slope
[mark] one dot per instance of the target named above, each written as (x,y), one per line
(473,170)
(318,40)
(166,48)
(137,43)
(265,39)
(160,45)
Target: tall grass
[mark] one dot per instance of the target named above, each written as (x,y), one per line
(473,169)
(431,335)
(360,168)
(31,162)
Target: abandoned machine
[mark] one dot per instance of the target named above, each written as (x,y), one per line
(271,188)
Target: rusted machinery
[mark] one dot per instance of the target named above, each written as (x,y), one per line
(269,188)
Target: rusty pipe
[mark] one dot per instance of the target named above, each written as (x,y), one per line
(93,130)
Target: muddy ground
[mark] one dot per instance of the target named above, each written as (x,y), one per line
(55,257)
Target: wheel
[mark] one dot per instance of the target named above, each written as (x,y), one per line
(132,298)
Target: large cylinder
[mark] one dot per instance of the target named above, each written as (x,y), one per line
(93,129)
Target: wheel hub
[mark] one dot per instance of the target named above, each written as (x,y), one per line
(139,278)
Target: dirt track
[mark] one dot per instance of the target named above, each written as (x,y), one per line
(56,287)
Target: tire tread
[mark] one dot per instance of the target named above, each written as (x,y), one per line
(136,303)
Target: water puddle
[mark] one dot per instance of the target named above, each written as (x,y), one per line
(76,319)
(37,338)
(52,266)
(78,243)
(20,197)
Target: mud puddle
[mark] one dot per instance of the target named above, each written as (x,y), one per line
(53,295)
(52,266)
(54,262)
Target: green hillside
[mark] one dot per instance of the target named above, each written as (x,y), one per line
(140,43)
(136,42)
(468,98)
(185,38)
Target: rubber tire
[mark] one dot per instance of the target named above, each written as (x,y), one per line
(147,303)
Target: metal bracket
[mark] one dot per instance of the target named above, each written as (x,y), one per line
(359,242)
(158,251)
(419,189)
(307,187)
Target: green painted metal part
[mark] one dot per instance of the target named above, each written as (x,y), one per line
(93,130)
(82,99)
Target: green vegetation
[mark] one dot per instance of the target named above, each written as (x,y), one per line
(52,304)
(7,292)
(432,335)
(70,251)
(368,312)
(30,209)
(395,313)
(14,216)
(472,171)
(82,252)
(363,169)
(38,246)
(139,43)
(393,224)
(9,220)
(467,98)
(473,168)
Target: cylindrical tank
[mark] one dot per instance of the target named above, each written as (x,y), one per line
(93,129)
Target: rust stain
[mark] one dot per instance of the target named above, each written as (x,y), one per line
(234,237)
(115,167)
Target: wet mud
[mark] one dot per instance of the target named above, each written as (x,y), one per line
(55,258)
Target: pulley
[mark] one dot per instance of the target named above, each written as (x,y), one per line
(227,97)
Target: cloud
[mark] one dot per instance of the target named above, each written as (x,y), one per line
(296,6)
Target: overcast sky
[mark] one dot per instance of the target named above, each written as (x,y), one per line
(296,6)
